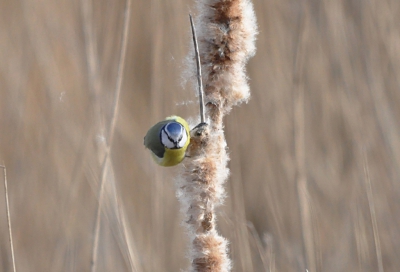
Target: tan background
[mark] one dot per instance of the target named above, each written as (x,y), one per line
(315,154)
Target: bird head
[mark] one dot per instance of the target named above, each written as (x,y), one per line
(173,135)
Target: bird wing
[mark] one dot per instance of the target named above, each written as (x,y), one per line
(152,139)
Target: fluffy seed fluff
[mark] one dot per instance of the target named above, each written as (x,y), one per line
(226,32)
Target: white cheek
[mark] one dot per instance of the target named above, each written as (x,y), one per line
(183,141)
(165,141)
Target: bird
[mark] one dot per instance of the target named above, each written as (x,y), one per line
(168,140)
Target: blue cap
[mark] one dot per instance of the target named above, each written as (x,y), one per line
(174,130)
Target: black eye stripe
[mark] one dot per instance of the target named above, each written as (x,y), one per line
(169,138)
(183,130)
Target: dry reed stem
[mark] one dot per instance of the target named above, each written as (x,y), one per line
(198,66)
(156,12)
(300,155)
(226,34)
(8,217)
(94,87)
(371,206)
(107,162)
(261,249)
(358,238)
(271,256)
(133,262)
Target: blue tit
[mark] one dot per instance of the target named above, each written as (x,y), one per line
(168,140)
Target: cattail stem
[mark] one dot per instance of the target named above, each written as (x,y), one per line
(198,65)
(10,237)
(107,165)
(226,34)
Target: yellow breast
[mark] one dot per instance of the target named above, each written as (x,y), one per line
(171,157)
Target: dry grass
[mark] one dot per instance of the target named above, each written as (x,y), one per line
(342,57)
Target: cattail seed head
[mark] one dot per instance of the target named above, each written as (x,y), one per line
(226,32)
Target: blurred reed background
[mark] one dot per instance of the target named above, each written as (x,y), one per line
(315,154)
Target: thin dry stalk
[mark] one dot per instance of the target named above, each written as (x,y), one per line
(94,86)
(133,262)
(371,206)
(302,188)
(226,35)
(9,218)
(265,259)
(198,66)
(107,162)
(270,251)
(156,254)
(300,157)
(359,236)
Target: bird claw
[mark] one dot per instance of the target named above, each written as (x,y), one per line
(199,129)
(198,139)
